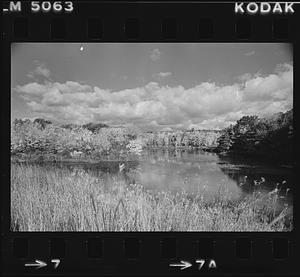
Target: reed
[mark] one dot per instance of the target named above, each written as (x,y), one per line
(49,199)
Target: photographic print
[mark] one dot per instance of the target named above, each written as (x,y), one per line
(151,137)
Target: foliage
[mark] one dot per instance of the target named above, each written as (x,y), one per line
(51,199)
(203,139)
(94,127)
(225,141)
(42,123)
(135,146)
(268,137)
(28,137)
(70,126)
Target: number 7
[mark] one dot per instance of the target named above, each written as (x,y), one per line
(201,263)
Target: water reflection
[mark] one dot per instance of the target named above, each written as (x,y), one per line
(196,172)
(192,171)
(202,172)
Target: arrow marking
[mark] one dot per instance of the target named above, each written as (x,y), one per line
(39,264)
(183,265)
(56,261)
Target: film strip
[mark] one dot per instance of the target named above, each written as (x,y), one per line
(146,253)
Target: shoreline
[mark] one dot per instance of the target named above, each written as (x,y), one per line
(57,158)
(134,207)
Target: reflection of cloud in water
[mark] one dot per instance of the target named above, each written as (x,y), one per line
(199,172)
(204,179)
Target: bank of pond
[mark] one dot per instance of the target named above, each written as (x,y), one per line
(193,172)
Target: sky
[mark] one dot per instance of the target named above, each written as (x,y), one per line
(155,86)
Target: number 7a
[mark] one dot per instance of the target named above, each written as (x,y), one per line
(201,262)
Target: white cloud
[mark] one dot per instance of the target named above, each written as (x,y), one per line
(206,105)
(244,77)
(277,86)
(155,55)
(162,75)
(40,70)
(32,89)
(251,53)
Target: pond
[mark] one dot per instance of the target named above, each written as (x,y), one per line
(196,171)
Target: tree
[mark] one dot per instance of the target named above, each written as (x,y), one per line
(94,127)
(266,137)
(246,123)
(226,139)
(42,123)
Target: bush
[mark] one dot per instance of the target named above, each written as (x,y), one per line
(29,138)
(263,137)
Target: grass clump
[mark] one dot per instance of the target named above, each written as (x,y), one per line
(63,200)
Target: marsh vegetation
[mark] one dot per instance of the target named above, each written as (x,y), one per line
(98,178)
(73,200)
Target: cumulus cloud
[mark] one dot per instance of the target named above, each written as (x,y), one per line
(40,70)
(155,55)
(162,75)
(245,77)
(273,87)
(154,106)
(32,89)
(251,53)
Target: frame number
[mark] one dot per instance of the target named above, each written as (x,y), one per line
(47,6)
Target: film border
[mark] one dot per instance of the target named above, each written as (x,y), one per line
(145,22)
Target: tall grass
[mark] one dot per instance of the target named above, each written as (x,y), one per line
(63,200)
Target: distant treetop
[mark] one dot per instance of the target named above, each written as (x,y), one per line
(94,127)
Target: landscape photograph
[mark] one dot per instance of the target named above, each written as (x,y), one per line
(151,137)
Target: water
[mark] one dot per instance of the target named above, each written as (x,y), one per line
(196,171)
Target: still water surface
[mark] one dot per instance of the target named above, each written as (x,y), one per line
(196,171)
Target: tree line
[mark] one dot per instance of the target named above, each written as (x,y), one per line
(271,138)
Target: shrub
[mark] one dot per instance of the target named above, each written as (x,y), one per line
(29,138)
